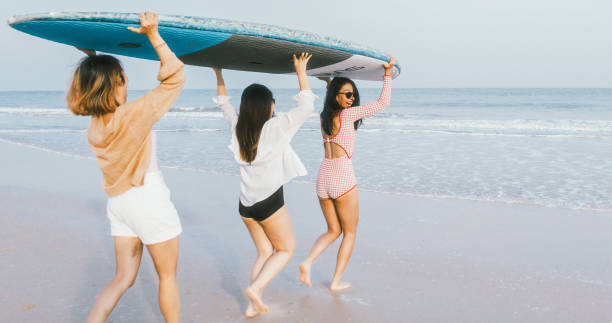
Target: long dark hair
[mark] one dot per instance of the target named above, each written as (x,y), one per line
(331,108)
(94,84)
(255,107)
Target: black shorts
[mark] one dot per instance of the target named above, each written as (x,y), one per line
(263,209)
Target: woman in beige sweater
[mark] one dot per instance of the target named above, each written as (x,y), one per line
(120,134)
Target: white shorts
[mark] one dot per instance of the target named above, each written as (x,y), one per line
(145,212)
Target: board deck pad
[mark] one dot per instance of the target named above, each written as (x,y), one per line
(209,42)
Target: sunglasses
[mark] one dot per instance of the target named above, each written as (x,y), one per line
(348,95)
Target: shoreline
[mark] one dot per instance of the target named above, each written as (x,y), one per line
(416,259)
(298,180)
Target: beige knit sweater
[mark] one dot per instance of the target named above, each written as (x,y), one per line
(122,140)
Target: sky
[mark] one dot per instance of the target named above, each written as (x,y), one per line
(439,43)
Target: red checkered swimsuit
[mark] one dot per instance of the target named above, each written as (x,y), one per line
(336,175)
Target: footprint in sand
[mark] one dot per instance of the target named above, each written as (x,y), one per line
(28,307)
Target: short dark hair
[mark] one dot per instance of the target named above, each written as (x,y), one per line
(94,86)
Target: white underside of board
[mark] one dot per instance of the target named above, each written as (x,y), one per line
(357,66)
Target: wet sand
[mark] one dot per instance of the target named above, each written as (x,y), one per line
(416,259)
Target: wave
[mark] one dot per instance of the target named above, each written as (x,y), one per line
(549,203)
(196,115)
(188,130)
(34,111)
(515,125)
(185,111)
(367,130)
(495,134)
(53,130)
(404,123)
(66,130)
(317,130)
(194,109)
(542,203)
(411,123)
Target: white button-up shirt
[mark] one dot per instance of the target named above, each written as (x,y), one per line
(276,163)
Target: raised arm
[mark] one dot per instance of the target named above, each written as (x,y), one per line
(148,26)
(221,91)
(88,52)
(222,100)
(325,79)
(300,64)
(356,113)
(287,125)
(171,77)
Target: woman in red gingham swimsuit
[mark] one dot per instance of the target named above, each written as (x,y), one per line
(336,182)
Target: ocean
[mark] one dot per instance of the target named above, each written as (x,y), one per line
(548,147)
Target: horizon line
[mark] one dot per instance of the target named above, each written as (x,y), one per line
(374,88)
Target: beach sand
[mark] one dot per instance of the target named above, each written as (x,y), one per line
(416,259)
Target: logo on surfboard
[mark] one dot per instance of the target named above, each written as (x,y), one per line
(342,71)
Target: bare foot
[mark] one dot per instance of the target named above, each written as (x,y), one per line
(335,287)
(305,273)
(250,311)
(255,297)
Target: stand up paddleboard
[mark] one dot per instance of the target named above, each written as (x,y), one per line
(209,42)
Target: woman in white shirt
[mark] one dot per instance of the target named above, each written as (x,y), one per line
(261,146)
